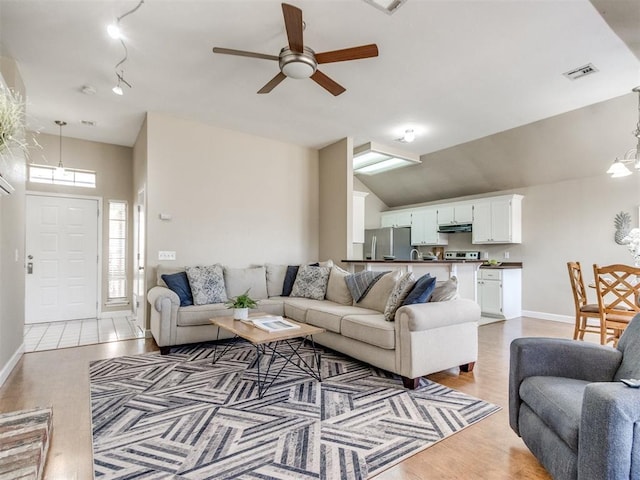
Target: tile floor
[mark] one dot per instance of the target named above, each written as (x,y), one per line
(73,333)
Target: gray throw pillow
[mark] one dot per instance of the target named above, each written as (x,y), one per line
(311,282)
(207,284)
(397,295)
(445,291)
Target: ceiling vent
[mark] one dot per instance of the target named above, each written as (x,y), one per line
(580,72)
(387,6)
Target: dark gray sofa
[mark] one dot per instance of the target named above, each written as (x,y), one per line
(571,410)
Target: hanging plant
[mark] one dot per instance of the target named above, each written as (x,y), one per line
(12,117)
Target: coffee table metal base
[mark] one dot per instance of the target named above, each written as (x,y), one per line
(264,379)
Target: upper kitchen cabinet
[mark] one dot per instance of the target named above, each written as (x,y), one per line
(497,220)
(358,216)
(397,218)
(424,228)
(455,213)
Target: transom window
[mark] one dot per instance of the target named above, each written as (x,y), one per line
(59,176)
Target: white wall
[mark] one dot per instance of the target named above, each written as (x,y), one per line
(233,198)
(12,221)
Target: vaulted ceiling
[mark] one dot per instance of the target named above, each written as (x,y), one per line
(455,71)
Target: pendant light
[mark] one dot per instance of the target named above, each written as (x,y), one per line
(632,157)
(60,168)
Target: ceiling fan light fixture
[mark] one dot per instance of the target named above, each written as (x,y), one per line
(372,158)
(117,90)
(298,65)
(409,135)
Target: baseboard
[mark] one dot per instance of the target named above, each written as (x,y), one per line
(147,333)
(13,361)
(549,316)
(116,313)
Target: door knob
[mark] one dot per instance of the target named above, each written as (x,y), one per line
(30,257)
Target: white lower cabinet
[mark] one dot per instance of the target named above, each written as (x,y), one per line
(500,292)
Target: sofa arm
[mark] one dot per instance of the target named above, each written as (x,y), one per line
(557,357)
(609,425)
(163,316)
(426,316)
(436,336)
(157,294)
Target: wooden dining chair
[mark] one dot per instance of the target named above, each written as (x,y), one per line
(618,291)
(584,310)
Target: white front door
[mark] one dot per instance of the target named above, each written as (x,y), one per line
(62,259)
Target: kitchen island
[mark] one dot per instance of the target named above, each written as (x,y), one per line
(465,270)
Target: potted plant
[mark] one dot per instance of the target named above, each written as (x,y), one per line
(241,305)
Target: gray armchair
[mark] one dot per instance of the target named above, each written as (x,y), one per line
(567,404)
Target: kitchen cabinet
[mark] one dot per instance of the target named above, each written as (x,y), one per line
(455,213)
(497,220)
(424,228)
(400,218)
(358,216)
(500,292)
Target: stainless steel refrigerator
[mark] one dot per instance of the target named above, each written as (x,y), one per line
(388,241)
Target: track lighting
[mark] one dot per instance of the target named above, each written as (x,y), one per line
(115,32)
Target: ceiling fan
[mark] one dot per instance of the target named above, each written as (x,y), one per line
(298,61)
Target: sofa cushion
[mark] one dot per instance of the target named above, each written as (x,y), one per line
(361,282)
(200,314)
(445,290)
(296,308)
(164,270)
(275,279)
(238,280)
(397,295)
(421,291)
(629,345)
(311,282)
(376,298)
(289,279)
(337,290)
(371,329)
(329,315)
(207,284)
(179,283)
(558,402)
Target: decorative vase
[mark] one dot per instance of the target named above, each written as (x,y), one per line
(240,313)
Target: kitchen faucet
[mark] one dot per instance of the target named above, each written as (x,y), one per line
(418,254)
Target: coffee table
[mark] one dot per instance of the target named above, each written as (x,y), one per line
(269,342)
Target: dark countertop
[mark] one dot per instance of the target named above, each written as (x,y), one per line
(503,266)
(414,261)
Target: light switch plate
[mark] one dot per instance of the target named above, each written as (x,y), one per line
(166,255)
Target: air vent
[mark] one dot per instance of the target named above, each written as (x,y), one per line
(580,72)
(88,123)
(387,6)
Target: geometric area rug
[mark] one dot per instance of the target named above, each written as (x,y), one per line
(179,417)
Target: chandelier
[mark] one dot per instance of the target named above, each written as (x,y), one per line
(619,167)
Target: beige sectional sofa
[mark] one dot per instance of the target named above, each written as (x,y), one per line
(423,339)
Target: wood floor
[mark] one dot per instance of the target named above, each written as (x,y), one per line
(487,450)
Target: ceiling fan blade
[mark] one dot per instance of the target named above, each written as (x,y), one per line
(242,53)
(325,82)
(273,83)
(293,24)
(353,53)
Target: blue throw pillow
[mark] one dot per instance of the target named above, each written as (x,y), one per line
(290,278)
(179,283)
(421,291)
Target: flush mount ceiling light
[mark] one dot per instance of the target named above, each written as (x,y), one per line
(632,156)
(372,158)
